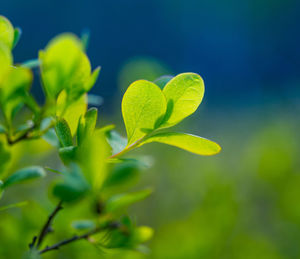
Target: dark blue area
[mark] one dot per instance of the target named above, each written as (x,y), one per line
(241,48)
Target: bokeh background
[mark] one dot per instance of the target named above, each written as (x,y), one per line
(243,203)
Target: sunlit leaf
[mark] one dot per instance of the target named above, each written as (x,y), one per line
(143,108)
(6,32)
(184,94)
(6,60)
(63,133)
(142,234)
(86,125)
(71,111)
(188,142)
(23,175)
(5,157)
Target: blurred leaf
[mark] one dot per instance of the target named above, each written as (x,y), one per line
(17,36)
(6,32)
(83,224)
(162,81)
(95,100)
(5,157)
(71,111)
(188,142)
(2,129)
(184,94)
(85,38)
(63,133)
(142,234)
(32,254)
(86,125)
(23,175)
(68,154)
(6,60)
(143,107)
(51,137)
(31,63)
(73,187)
(116,141)
(60,63)
(92,155)
(122,201)
(14,205)
(123,173)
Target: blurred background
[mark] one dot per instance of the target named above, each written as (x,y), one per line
(242,203)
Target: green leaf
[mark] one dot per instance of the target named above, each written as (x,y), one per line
(86,125)
(17,36)
(32,63)
(143,107)
(60,63)
(142,234)
(6,32)
(116,141)
(6,61)
(122,201)
(14,205)
(32,254)
(23,175)
(67,154)
(71,111)
(184,94)
(73,187)
(188,142)
(162,81)
(63,133)
(123,173)
(5,157)
(83,224)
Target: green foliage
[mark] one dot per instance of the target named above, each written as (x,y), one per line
(23,175)
(91,170)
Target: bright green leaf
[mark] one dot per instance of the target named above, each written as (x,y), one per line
(6,61)
(5,157)
(24,174)
(184,94)
(143,108)
(122,201)
(142,234)
(63,133)
(86,125)
(188,142)
(6,32)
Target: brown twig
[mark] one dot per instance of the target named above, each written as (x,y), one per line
(46,228)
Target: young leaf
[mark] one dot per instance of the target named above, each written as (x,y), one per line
(73,187)
(143,107)
(188,142)
(86,125)
(122,201)
(24,175)
(59,63)
(6,32)
(63,132)
(184,94)
(6,60)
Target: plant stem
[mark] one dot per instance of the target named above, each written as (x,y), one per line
(46,228)
(56,246)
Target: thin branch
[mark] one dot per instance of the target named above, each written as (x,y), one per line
(46,228)
(70,240)
(56,246)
